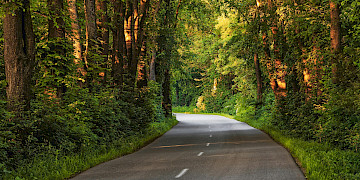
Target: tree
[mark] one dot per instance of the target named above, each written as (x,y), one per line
(335,38)
(19,54)
(119,46)
(76,37)
(103,23)
(56,39)
(91,41)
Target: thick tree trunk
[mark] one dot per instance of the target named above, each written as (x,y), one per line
(119,46)
(19,56)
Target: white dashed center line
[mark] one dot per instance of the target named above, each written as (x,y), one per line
(181,173)
(210,135)
(207,144)
(201,153)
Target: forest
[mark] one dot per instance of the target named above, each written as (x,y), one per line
(81,78)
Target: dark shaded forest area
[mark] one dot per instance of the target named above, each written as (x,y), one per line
(80,76)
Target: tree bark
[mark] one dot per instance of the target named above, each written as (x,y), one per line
(91,34)
(76,37)
(19,55)
(142,79)
(166,103)
(335,27)
(152,69)
(258,78)
(335,39)
(119,46)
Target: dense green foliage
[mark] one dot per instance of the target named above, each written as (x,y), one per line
(79,120)
(302,87)
(55,165)
(292,42)
(221,50)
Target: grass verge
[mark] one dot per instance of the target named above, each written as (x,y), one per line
(50,166)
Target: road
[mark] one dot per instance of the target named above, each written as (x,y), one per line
(203,147)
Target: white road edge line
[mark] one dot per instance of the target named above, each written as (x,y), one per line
(207,144)
(201,153)
(181,173)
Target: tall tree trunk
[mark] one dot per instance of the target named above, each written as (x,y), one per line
(164,48)
(128,26)
(119,46)
(19,55)
(166,103)
(136,15)
(91,34)
(152,69)
(142,79)
(76,36)
(258,78)
(101,6)
(335,38)
(56,37)
(276,69)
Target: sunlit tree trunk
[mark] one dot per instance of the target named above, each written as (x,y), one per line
(19,55)
(142,78)
(335,38)
(76,37)
(135,21)
(276,69)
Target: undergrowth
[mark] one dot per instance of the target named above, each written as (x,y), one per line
(53,166)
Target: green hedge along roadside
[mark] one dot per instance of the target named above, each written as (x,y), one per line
(319,161)
(53,167)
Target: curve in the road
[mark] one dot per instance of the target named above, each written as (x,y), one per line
(203,147)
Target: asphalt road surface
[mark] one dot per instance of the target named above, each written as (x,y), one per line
(203,147)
